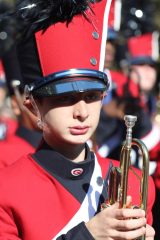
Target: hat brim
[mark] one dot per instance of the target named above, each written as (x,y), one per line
(69,81)
(69,86)
(142,60)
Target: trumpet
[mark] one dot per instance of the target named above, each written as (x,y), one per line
(118,180)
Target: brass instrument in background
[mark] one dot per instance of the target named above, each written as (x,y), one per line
(118,182)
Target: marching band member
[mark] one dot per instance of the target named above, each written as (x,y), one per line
(23,135)
(57,192)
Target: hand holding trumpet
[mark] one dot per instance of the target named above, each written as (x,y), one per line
(120,223)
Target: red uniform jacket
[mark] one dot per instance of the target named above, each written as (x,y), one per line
(22,141)
(45,196)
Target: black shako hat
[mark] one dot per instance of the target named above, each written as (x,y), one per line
(12,71)
(65,46)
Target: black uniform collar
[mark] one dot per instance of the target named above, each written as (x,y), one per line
(30,136)
(57,164)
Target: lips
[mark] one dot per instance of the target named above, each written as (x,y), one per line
(79,130)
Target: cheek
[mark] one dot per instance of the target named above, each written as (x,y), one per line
(95,112)
(54,118)
(148,80)
(134,77)
(152,77)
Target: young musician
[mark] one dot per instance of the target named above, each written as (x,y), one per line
(26,136)
(57,192)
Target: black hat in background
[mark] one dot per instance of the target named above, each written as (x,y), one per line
(12,71)
(8,27)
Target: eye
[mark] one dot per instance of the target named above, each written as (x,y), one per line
(93,96)
(67,100)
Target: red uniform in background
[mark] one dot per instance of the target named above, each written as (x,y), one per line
(23,141)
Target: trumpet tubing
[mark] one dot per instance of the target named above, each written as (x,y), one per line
(118,181)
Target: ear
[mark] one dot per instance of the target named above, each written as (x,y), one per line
(28,104)
(104,94)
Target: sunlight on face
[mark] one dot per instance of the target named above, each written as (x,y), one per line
(71,118)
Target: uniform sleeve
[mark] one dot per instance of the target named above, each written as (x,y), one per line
(151,199)
(76,233)
(8,229)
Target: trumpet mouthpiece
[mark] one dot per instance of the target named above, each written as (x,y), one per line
(130,120)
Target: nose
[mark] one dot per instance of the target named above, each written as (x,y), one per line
(81,110)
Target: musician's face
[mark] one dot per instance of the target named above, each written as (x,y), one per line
(109,55)
(145,75)
(70,119)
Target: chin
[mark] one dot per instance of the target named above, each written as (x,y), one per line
(78,140)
